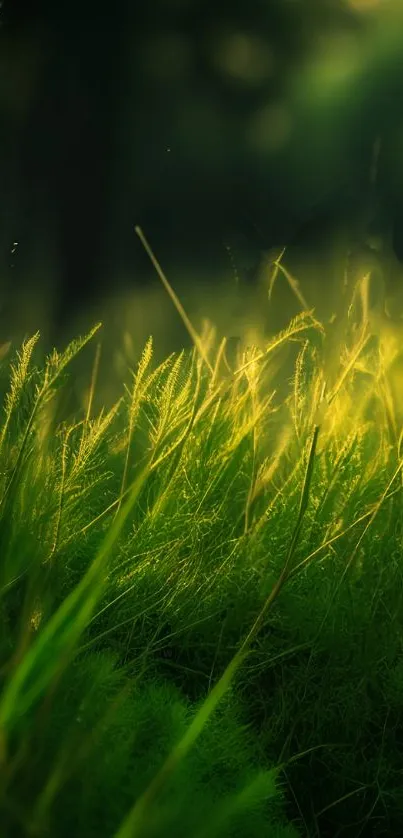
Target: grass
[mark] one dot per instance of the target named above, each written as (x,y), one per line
(201,591)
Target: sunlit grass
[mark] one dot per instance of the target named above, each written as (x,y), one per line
(201,590)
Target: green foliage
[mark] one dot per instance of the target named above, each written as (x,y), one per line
(201,598)
(98,742)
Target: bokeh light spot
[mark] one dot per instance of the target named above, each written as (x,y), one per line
(242,57)
(269,128)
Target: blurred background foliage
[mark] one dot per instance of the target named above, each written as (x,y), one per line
(225,129)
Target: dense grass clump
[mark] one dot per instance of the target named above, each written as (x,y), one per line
(201,594)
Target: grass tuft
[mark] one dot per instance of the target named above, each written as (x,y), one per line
(201,591)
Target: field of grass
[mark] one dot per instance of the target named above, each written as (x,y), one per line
(202,592)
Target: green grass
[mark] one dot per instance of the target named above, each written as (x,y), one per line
(201,592)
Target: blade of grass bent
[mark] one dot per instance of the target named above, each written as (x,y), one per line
(178,305)
(57,639)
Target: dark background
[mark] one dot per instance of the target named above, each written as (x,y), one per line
(224,129)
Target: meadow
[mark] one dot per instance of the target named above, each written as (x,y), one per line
(201,589)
